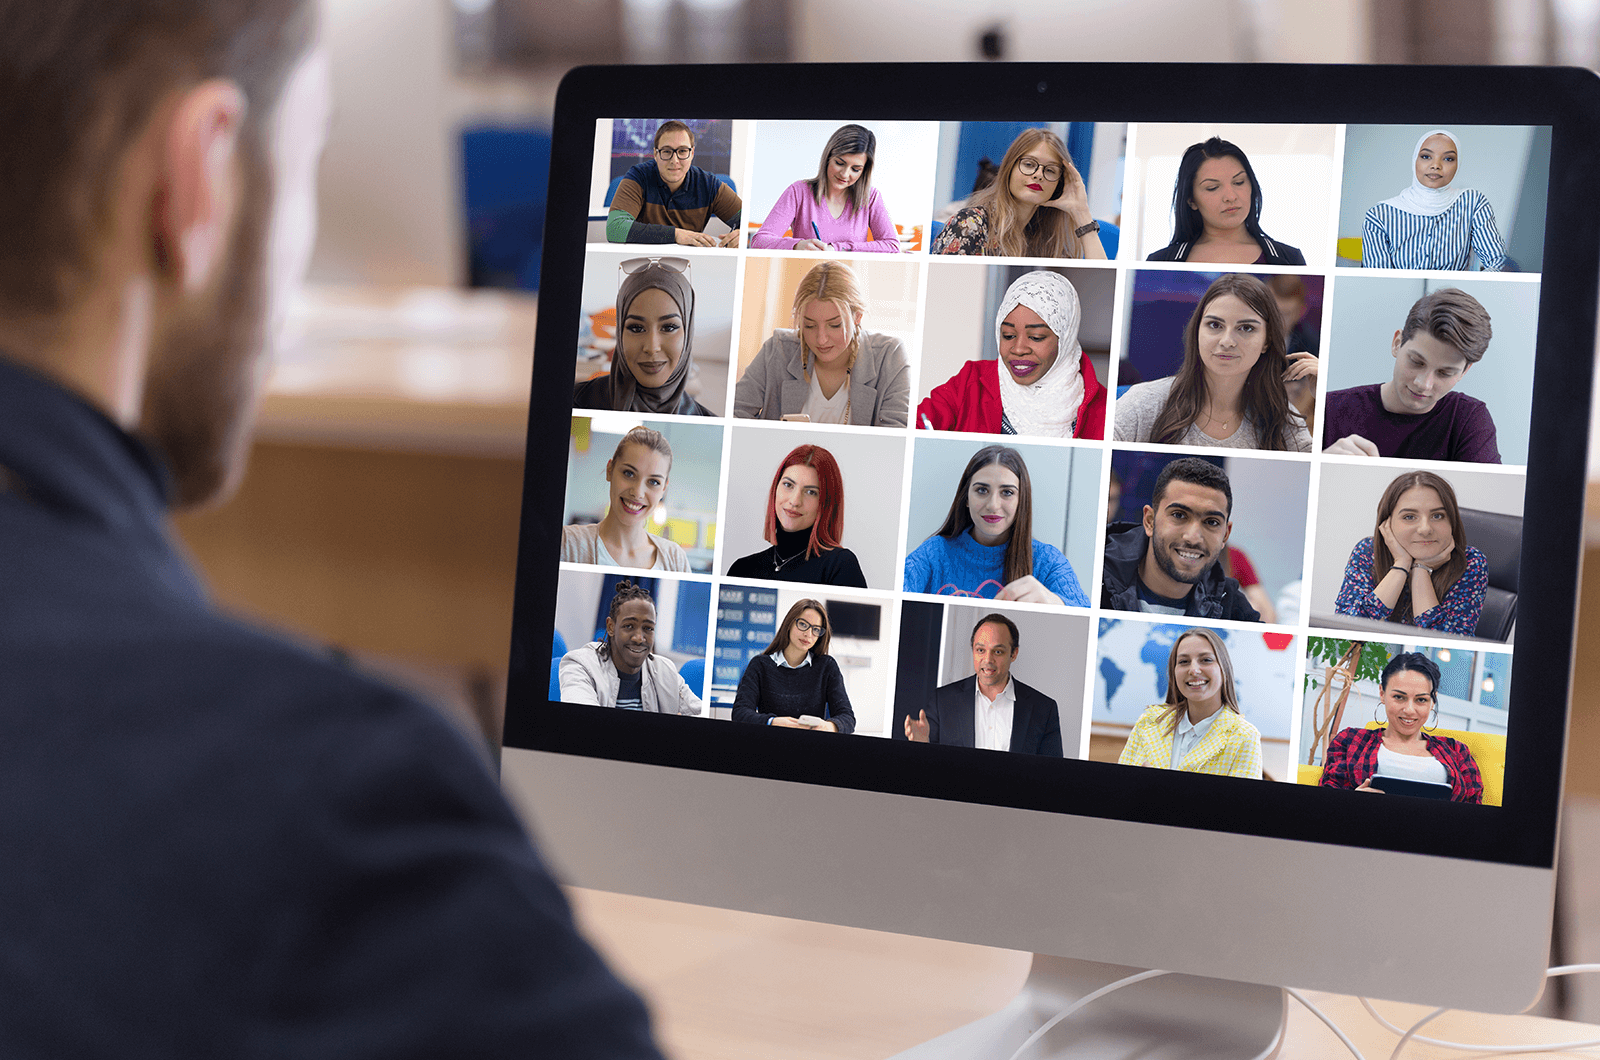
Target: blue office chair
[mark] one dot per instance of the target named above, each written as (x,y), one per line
(694,673)
(505,177)
(1110,238)
(558,647)
(555,679)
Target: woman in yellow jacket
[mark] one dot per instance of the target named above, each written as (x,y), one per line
(1199,728)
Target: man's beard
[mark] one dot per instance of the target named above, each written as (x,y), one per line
(205,373)
(1163,556)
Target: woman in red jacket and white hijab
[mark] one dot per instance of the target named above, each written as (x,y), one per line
(1042,385)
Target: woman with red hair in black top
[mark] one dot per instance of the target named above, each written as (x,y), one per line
(1402,749)
(805,519)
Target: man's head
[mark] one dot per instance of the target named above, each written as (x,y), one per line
(1446,332)
(995,643)
(674,151)
(159,169)
(1188,521)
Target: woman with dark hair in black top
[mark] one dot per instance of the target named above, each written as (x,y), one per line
(1216,211)
(794,683)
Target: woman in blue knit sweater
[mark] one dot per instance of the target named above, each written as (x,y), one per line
(986,545)
(794,683)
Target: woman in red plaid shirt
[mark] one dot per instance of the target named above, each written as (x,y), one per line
(1402,749)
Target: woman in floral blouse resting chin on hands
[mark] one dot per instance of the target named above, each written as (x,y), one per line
(1417,567)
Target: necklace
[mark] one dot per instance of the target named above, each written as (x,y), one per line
(778,564)
(1212,421)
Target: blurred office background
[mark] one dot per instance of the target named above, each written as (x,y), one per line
(380,511)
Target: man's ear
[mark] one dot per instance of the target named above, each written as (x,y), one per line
(1149,518)
(198,183)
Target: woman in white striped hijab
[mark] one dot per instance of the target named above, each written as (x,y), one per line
(1435,223)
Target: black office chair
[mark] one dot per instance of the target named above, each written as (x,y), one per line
(1499,538)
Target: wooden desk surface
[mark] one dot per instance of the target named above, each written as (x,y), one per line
(730,986)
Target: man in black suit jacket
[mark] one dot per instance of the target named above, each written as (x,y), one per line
(956,715)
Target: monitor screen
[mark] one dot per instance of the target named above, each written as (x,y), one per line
(1069,448)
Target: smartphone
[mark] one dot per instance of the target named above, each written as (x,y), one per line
(796,417)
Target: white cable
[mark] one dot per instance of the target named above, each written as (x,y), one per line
(1325,1018)
(1406,1036)
(1415,1027)
(1082,1001)
(1554,1047)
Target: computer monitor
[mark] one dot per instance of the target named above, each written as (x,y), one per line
(863,381)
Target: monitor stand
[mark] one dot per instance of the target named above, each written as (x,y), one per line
(1170,1016)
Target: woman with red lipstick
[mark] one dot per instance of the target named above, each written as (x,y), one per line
(1040,385)
(838,209)
(986,545)
(1432,225)
(1216,211)
(1199,728)
(655,343)
(1403,749)
(794,683)
(805,519)
(1232,388)
(1038,207)
(637,474)
(828,368)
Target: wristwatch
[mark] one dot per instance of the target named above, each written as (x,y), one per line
(1092,226)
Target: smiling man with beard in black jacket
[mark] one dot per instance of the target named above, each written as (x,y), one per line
(1169,563)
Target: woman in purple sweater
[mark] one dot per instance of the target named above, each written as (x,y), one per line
(838,209)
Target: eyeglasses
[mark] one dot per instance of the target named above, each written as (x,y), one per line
(1029,166)
(802,626)
(666,154)
(633,265)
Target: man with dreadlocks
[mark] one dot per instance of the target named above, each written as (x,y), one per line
(623,670)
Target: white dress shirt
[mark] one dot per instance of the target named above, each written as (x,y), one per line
(992,720)
(1189,735)
(783,660)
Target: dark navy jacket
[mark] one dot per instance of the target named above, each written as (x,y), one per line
(1214,596)
(1272,252)
(214,843)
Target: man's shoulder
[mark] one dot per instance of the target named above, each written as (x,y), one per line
(1026,693)
(641,173)
(1463,405)
(1354,397)
(1125,541)
(962,686)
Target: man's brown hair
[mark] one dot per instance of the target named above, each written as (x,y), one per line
(1454,316)
(669,127)
(79,80)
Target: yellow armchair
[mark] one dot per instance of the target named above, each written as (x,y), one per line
(1488,750)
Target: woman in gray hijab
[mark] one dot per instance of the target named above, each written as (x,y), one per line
(655,341)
